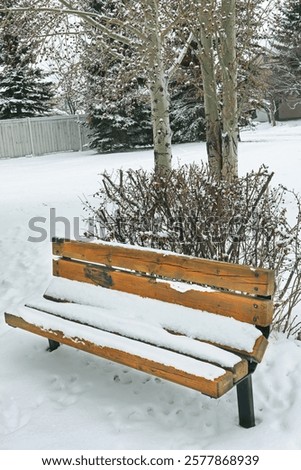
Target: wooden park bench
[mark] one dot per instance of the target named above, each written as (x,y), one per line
(199,323)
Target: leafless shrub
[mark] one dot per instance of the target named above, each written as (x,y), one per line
(187,211)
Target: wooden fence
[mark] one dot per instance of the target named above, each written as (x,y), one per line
(37,136)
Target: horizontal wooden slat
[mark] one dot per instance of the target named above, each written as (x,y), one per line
(200,271)
(246,309)
(255,355)
(213,388)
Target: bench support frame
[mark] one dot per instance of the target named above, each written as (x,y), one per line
(245,402)
(53,345)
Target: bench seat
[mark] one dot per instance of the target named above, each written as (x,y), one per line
(135,325)
(184,370)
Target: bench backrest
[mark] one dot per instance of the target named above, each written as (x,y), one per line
(232,290)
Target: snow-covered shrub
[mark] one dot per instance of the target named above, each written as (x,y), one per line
(187,211)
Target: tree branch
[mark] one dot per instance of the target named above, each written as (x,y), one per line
(180,57)
(88,17)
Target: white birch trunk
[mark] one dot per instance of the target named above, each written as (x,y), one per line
(272,111)
(227,53)
(160,103)
(158,87)
(211,105)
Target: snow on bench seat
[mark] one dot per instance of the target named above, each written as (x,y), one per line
(146,332)
(119,306)
(204,377)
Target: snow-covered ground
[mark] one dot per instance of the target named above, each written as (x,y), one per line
(71,400)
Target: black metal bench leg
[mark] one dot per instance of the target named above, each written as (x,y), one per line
(53,345)
(245,403)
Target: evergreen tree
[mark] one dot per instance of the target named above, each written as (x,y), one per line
(253,76)
(121,129)
(24,89)
(288,32)
(187,115)
(120,114)
(286,62)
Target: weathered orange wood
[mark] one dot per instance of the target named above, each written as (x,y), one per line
(239,371)
(247,309)
(200,271)
(256,355)
(259,349)
(213,388)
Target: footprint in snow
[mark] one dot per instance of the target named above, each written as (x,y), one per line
(277,397)
(123,379)
(65,391)
(11,417)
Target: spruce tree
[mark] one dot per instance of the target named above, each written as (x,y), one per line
(286,66)
(24,89)
(288,29)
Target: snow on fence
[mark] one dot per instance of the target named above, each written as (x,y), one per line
(37,136)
